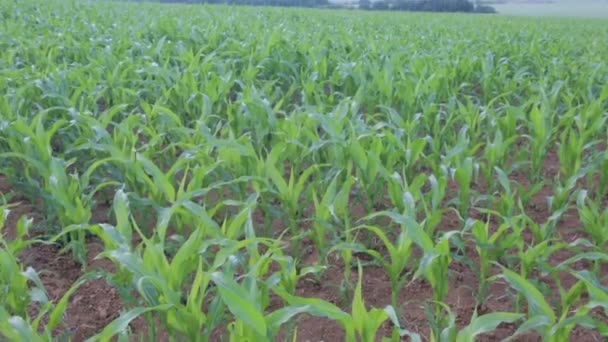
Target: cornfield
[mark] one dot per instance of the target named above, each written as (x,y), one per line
(260,174)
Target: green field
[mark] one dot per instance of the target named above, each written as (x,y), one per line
(215,173)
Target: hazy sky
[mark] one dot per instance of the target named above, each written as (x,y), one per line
(576,8)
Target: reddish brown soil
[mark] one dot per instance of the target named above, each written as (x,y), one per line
(96,303)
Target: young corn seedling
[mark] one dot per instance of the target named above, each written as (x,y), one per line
(289,192)
(541,317)
(368,168)
(332,148)
(361,324)
(409,199)
(347,250)
(16,327)
(464,175)
(30,146)
(602,187)
(536,257)
(247,303)
(560,202)
(133,164)
(539,138)
(290,273)
(484,324)
(330,211)
(507,203)
(477,326)
(437,194)
(174,288)
(66,197)
(598,294)
(473,116)
(570,153)
(17,296)
(491,247)
(160,285)
(596,291)
(442,321)
(400,138)
(495,155)
(511,202)
(399,257)
(251,321)
(403,195)
(14,297)
(433,266)
(594,220)
(232,286)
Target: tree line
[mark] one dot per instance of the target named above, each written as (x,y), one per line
(426,6)
(394,5)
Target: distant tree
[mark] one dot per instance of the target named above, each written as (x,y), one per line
(400,5)
(380,5)
(434,5)
(485,9)
(365,4)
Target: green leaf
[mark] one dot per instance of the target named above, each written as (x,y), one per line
(283,315)
(413,228)
(32,275)
(537,305)
(121,323)
(359,312)
(316,307)
(533,323)
(239,303)
(358,154)
(392,315)
(56,314)
(23,329)
(183,261)
(486,323)
(122,213)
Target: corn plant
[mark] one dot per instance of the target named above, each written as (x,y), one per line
(159,281)
(399,253)
(491,247)
(464,175)
(250,322)
(541,317)
(15,289)
(513,198)
(477,326)
(360,324)
(495,154)
(289,192)
(594,220)
(485,323)
(17,295)
(433,265)
(331,210)
(369,167)
(570,152)
(540,138)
